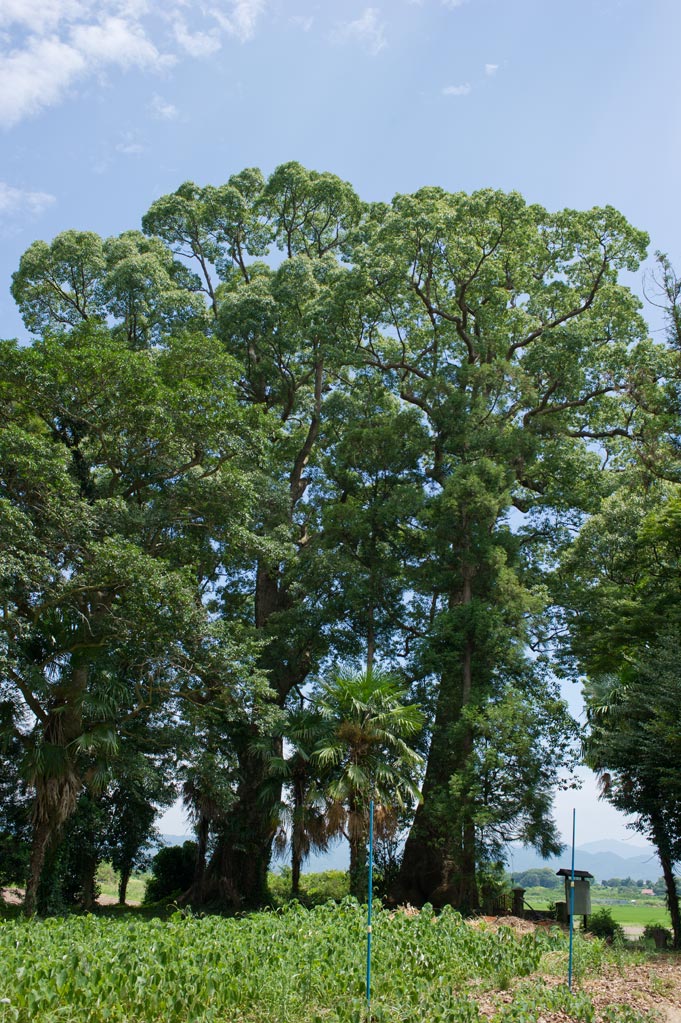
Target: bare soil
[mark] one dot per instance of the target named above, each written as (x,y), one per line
(15,896)
(652,988)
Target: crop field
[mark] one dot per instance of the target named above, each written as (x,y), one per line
(292,966)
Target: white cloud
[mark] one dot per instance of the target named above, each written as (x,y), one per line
(162,110)
(18,200)
(456,90)
(116,41)
(196,44)
(242,18)
(40,16)
(453,3)
(49,47)
(367,30)
(491,70)
(37,77)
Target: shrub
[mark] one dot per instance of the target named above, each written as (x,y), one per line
(172,872)
(662,936)
(602,925)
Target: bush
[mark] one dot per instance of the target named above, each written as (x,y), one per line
(172,872)
(662,936)
(315,889)
(602,925)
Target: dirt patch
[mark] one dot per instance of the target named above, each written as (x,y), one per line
(652,988)
(15,896)
(655,985)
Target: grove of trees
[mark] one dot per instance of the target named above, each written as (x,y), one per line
(282,442)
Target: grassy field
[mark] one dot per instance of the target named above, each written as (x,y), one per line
(292,966)
(651,910)
(639,915)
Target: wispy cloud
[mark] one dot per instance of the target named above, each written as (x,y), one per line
(130,146)
(491,70)
(457,90)
(197,44)
(36,77)
(162,110)
(49,47)
(120,42)
(241,19)
(19,200)
(53,44)
(367,30)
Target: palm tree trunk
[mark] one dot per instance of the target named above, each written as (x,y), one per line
(296,864)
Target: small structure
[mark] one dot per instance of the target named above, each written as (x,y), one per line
(582,906)
(518,908)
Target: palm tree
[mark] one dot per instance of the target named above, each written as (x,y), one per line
(366,753)
(302,817)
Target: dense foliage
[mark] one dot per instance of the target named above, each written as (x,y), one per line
(280,431)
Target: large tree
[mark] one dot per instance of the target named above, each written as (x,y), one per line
(288,323)
(295,427)
(623,606)
(114,462)
(504,325)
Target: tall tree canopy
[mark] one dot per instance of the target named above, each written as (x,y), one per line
(280,427)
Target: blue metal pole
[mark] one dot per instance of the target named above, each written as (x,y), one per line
(572,901)
(371,896)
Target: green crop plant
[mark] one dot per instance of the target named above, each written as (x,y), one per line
(285,966)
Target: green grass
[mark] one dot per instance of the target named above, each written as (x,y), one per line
(650,910)
(640,914)
(135,892)
(291,966)
(107,880)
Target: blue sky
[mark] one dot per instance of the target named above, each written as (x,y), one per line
(107,104)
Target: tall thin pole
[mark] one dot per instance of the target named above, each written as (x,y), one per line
(370,900)
(572,900)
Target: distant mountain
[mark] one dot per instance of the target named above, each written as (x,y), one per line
(337,858)
(176,839)
(604,858)
(643,865)
(624,849)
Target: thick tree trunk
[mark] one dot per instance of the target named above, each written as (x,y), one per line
(236,876)
(439,862)
(42,834)
(123,885)
(89,884)
(56,797)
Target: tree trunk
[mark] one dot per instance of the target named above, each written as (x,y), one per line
(56,797)
(358,866)
(123,885)
(89,883)
(236,876)
(667,863)
(202,832)
(296,864)
(439,862)
(371,639)
(42,835)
